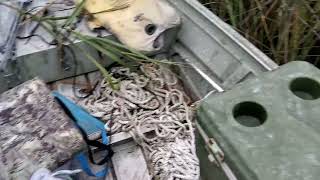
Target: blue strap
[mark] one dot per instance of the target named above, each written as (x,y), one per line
(84,120)
(89,125)
(86,168)
(104,137)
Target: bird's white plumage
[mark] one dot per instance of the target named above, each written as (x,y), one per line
(128,19)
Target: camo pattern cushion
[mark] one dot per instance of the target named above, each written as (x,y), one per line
(34,131)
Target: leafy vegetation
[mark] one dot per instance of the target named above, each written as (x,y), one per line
(286,30)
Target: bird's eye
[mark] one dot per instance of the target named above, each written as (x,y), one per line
(150,29)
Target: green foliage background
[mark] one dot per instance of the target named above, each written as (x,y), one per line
(285,30)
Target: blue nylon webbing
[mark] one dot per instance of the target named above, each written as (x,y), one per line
(90,125)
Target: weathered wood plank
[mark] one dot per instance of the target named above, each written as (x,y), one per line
(129,162)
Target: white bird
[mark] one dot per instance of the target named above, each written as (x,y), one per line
(140,24)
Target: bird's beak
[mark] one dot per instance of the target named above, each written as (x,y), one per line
(164,41)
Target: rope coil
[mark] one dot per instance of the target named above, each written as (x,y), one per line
(154,101)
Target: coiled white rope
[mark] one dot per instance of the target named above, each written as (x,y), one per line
(154,101)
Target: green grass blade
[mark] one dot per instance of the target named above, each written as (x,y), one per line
(74,14)
(104,72)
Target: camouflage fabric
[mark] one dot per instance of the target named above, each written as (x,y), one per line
(34,131)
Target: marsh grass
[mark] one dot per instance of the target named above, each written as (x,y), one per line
(285,30)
